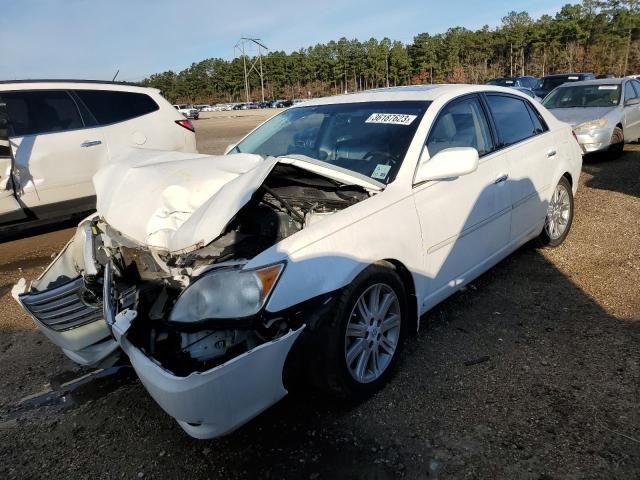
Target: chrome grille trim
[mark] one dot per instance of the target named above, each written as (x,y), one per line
(62,308)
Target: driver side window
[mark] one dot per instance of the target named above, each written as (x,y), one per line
(461,124)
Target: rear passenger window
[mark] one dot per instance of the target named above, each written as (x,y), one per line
(109,106)
(461,124)
(538,122)
(512,118)
(36,112)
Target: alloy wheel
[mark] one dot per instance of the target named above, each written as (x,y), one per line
(558,212)
(373,333)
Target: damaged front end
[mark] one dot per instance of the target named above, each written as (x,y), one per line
(193,323)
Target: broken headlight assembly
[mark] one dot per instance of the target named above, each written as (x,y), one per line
(226,293)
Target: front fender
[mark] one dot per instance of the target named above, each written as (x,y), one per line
(329,254)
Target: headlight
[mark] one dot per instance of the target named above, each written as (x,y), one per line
(225,293)
(591,125)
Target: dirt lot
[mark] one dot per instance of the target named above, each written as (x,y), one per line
(558,396)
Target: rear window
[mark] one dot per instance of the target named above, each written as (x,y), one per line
(109,106)
(552,82)
(38,112)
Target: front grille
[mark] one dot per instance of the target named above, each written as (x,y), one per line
(64,307)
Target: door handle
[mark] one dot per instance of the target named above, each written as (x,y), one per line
(501,178)
(90,143)
(551,153)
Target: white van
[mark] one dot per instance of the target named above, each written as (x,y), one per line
(61,132)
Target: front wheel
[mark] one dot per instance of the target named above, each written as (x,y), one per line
(559,217)
(363,339)
(617,142)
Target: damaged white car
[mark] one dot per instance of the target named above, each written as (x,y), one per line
(311,248)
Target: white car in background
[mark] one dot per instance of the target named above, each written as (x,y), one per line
(313,246)
(188,110)
(62,132)
(604,114)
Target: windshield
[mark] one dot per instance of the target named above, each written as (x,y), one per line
(369,138)
(584,96)
(502,82)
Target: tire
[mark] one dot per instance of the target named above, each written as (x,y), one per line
(336,376)
(559,216)
(617,142)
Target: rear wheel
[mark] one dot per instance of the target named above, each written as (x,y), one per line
(364,338)
(559,217)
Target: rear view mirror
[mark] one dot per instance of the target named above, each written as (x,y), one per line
(4,130)
(447,163)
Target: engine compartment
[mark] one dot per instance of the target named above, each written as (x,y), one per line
(150,282)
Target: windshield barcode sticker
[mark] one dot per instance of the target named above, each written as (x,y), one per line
(608,87)
(391,118)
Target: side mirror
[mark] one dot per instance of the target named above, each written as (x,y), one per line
(447,163)
(4,130)
(632,101)
(230,147)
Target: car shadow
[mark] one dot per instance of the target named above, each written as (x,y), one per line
(615,173)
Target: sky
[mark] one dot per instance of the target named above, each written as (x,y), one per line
(92,39)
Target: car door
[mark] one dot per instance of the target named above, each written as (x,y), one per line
(631,126)
(531,153)
(10,209)
(465,221)
(55,154)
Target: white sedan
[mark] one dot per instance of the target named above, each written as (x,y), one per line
(312,247)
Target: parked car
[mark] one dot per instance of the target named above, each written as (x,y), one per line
(62,132)
(604,114)
(189,111)
(528,92)
(203,108)
(605,75)
(240,106)
(550,82)
(313,246)
(523,81)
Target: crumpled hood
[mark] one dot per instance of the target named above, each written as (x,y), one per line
(576,116)
(161,199)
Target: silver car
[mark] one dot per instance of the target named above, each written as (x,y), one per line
(605,114)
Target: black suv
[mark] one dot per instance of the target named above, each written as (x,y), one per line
(550,82)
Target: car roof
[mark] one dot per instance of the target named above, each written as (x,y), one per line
(599,81)
(407,93)
(54,83)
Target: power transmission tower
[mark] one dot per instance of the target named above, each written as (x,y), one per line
(242,47)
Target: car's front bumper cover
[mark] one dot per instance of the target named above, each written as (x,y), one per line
(216,402)
(594,140)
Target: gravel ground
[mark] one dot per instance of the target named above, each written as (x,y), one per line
(553,389)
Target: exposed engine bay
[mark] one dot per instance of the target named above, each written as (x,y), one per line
(149,282)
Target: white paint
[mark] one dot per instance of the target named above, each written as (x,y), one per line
(54,167)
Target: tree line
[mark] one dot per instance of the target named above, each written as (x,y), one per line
(599,36)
